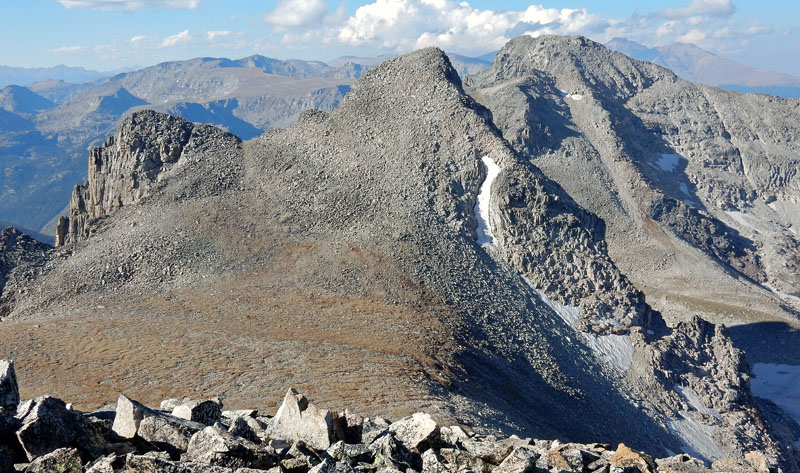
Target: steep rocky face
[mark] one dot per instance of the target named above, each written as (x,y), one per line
(21,260)
(659,159)
(146,149)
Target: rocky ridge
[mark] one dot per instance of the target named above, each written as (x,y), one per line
(45,435)
(656,157)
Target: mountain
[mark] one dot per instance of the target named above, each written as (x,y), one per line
(16,99)
(468,65)
(23,76)
(506,255)
(698,65)
(46,129)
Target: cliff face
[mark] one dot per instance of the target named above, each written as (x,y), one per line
(147,148)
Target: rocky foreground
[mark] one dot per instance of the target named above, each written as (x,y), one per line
(46,435)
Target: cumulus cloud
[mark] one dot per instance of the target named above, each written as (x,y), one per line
(184,37)
(409,24)
(297,13)
(130,5)
(699,7)
(70,50)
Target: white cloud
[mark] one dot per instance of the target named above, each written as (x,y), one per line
(699,7)
(297,13)
(130,5)
(184,37)
(410,24)
(70,50)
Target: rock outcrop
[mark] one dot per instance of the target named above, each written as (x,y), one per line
(412,444)
(147,148)
(21,259)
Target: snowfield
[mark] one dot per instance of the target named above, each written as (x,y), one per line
(616,350)
(492,170)
(669,162)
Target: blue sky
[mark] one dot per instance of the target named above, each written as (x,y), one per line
(113,34)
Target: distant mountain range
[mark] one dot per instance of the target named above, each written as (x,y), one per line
(25,75)
(47,126)
(698,65)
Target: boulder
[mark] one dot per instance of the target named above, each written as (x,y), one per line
(48,425)
(297,419)
(159,429)
(417,432)
(488,449)
(431,463)
(215,446)
(230,416)
(349,453)
(168,433)
(330,466)
(62,460)
(300,457)
(521,460)
(625,457)
(129,414)
(453,435)
(206,412)
(248,428)
(387,452)
(460,460)
(9,390)
(168,405)
(372,429)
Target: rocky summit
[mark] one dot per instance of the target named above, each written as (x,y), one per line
(571,244)
(45,435)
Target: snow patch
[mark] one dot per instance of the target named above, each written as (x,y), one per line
(684,188)
(567,95)
(698,438)
(616,350)
(492,170)
(780,294)
(694,401)
(780,384)
(669,162)
(740,217)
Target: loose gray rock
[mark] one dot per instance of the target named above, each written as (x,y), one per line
(417,432)
(206,412)
(62,460)
(215,446)
(48,426)
(249,428)
(168,432)
(521,460)
(169,404)
(128,416)
(373,428)
(297,419)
